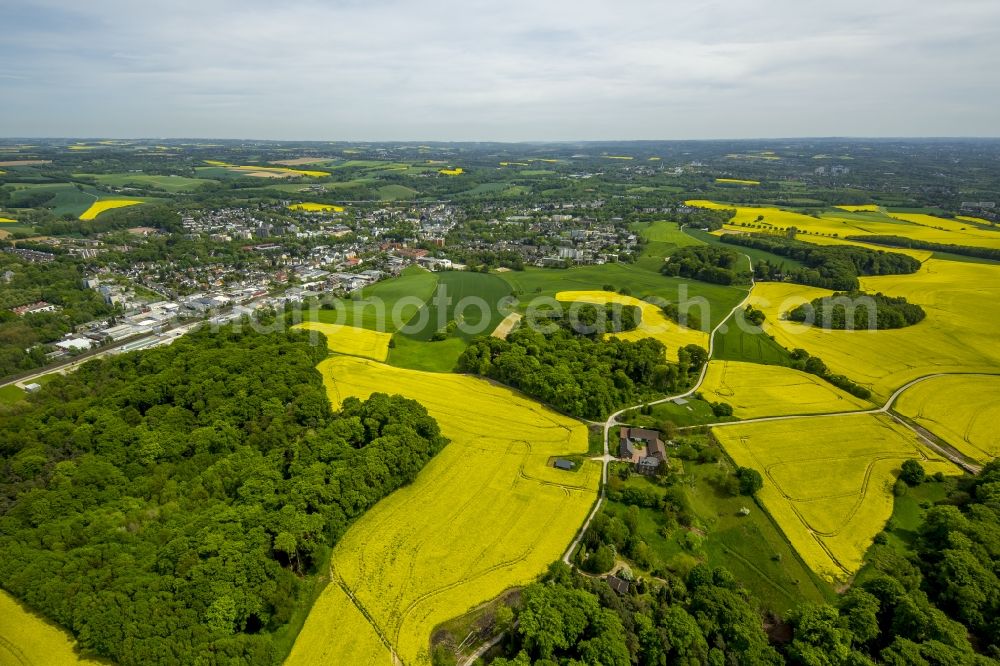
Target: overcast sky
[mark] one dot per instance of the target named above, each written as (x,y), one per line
(499,70)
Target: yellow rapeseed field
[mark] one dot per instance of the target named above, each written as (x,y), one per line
(26,638)
(833,224)
(756,390)
(6,219)
(963,410)
(352,340)
(654,323)
(99,207)
(312,207)
(267,171)
(486,514)
(828,480)
(457,171)
(864,208)
(737,181)
(338,634)
(962,302)
(977,220)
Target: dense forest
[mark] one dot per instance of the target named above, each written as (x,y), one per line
(939,604)
(579,374)
(858,311)
(708,263)
(830,267)
(172,505)
(900,241)
(595,320)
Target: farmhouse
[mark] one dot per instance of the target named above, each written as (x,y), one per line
(643,447)
(562,463)
(619,585)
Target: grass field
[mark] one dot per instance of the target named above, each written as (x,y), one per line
(738,340)
(67,198)
(10,394)
(387,305)
(711,302)
(438,356)
(396,192)
(691,413)
(486,514)
(661,239)
(26,638)
(475,300)
(654,323)
(901,531)
(752,547)
(103,205)
(963,410)
(352,340)
(756,390)
(962,302)
(828,480)
(172,184)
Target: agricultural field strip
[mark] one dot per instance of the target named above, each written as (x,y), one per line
(886,408)
(962,305)
(838,516)
(351,340)
(845,223)
(962,410)
(477,461)
(654,323)
(751,389)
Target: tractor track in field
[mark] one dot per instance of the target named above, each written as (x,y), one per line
(923,434)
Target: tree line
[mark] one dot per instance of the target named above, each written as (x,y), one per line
(708,263)
(176,504)
(582,375)
(900,241)
(859,311)
(834,267)
(938,603)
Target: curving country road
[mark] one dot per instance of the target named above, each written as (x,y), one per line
(612,420)
(922,434)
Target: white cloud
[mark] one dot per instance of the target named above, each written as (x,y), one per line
(517,70)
